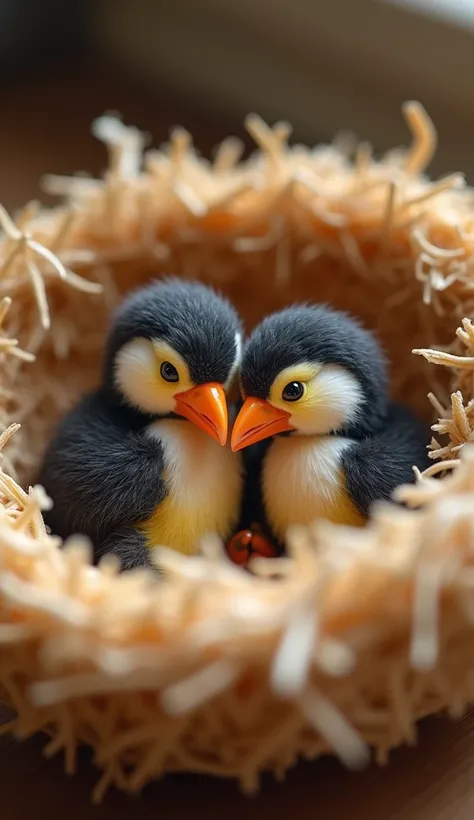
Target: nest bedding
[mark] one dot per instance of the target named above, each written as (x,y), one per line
(219,671)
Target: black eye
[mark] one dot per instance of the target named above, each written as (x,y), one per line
(293,391)
(169,372)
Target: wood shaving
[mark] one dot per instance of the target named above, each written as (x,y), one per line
(424,137)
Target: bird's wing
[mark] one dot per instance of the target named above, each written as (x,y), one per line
(100,474)
(129,545)
(375,466)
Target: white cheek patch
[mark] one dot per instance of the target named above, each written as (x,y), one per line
(237,361)
(135,376)
(338,399)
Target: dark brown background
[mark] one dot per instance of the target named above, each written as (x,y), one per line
(45,118)
(432,782)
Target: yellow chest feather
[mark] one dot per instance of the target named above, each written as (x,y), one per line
(204,487)
(303,481)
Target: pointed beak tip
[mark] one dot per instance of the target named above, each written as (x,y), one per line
(236,442)
(257,420)
(206,406)
(222,437)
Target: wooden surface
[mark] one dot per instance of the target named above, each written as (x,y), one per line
(432,782)
(45,128)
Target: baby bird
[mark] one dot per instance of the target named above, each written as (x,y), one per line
(316,382)
(141,461)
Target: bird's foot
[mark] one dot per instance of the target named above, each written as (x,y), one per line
(248,544)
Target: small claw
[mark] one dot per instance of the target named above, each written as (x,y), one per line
(247,544)
(238,547)
(263,546)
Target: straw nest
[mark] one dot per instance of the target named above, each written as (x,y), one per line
(216,670)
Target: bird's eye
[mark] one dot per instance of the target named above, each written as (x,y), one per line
(293,391)
(169,372)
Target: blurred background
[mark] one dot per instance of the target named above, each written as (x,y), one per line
(324,65)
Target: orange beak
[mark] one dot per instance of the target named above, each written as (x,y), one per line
(206,406)
(257,420)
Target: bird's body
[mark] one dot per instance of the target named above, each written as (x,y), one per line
(303,479)
(315,383)
(203,487)
(139,463)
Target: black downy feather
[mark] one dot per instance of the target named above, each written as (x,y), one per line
(377,465)
(101,472)
(128,543)
(197,322)
(318,334)
(253,509)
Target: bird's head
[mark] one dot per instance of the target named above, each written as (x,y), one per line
(312,371)
(174,349)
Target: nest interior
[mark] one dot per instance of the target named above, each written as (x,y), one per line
(220,671)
